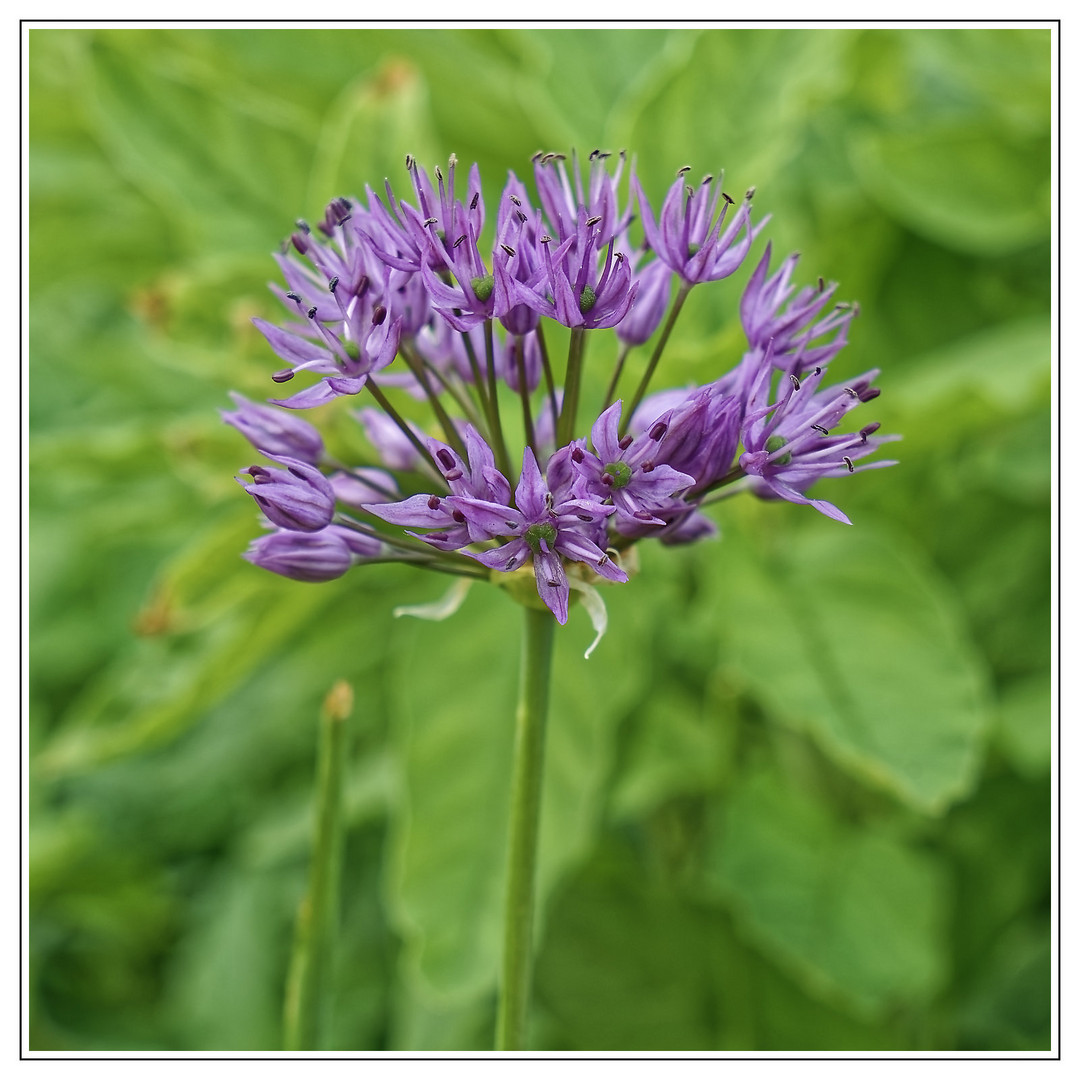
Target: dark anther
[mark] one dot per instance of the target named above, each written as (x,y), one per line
(706,179)
(454,474)
(459,517)
(302,225)
(511,563)
(475,201)
(311,312)
(559,157)
(603,560)
(431,221)
(521,216)
(643,515)
(625,441)
(438,173)
(546,158)
(446,459)
(602,155)
(294,297)
(283,376)
(689,191)
(362,285)
(593,220)
(868,430)
(619,256)
(508,249)
(410,161)
(585,517)
(818,427)
(869,394)
(683,171)
(853,393)
(727,198)
(378,316)
(750,193)
(795,382)
(607,479)
(817,371)
(820,284)
(537,156)
(594,155)
(460,240)
(549,503)
(552,584)
(850,467)
(300,243)
(545,239)
(577,455)
(434,502)
(648,466)
(514,199)
(332,284)
(511,525)
(657,432)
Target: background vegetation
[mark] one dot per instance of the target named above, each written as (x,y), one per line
(798,799)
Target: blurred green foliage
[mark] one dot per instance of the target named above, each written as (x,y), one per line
(798,799)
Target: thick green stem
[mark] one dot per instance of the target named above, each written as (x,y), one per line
(575,362)
(524,830)
(317,919)
(680,299)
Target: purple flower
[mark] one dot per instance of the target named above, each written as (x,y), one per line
(478,479)
(568,288)
(545,529)
(792,329)
(275,432)
(312,556)
(686,237)
(628,472)
(567,204)
(788,445)
(296,497)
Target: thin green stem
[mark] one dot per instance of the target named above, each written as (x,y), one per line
(498,442)
(549,377)
(523,390)
(624,351)
(680,299)
(317,919)
(515,984)
(575,363)
(450,432)
(402,426)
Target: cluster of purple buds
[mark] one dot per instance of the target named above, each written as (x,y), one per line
(391,299)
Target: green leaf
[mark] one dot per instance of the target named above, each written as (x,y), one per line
(855,915)
(1023,725)
(1007,365)
(844,637)
(963,186)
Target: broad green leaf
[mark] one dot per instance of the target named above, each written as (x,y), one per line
(1023,725)
(967,187)
(857,916)
(1008,365)
(844,637)
(624,965)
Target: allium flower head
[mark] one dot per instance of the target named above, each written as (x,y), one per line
(395,299)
